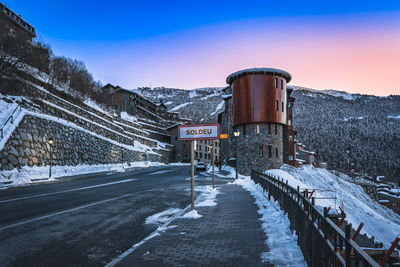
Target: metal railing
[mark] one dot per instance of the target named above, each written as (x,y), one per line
(314,228)
(10,119)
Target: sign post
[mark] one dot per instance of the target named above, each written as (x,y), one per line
(192,171)
(198,132)
(212,162)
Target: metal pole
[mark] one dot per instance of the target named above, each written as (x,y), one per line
(237,156)
(50,162)
(212,160)
(192,171)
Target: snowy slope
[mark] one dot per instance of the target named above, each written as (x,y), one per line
(380,222)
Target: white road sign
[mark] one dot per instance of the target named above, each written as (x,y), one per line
(196,132)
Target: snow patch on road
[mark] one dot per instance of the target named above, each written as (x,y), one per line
(282,243)
(162,217)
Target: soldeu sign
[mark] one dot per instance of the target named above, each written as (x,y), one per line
(198,132)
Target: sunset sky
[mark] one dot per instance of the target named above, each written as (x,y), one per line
(353,47)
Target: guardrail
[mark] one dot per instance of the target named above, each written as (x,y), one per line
(10,118)
(313,227)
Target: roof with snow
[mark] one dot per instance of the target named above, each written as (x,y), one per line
(272,71)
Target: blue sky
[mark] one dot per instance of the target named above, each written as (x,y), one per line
(189,44)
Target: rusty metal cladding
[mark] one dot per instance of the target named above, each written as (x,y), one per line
(259,97)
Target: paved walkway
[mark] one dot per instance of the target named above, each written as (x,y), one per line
(228,234)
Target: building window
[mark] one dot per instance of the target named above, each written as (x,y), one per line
(196,154)
(276,129)
(290,157)
(290,138)
(283,107)
(244,129)
(276,83)
(290,122)
(258,128)
(269,128)
(201,155)
(276,152)
(282,82)
(269,151)
(277,105)
(261,151)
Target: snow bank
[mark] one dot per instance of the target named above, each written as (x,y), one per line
(191,215)
(380,222)
(282,243)
(207,197)
(26,173)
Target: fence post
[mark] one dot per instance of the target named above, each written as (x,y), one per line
(348,247)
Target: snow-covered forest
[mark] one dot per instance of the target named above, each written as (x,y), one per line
(328,122)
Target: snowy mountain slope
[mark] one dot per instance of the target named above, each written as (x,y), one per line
(380,222)
(190,104)
(327,121)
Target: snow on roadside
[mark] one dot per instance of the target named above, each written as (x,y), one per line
(282,243)
(206,199)
(379,221)
(191,215)
(207,196)
(26,173)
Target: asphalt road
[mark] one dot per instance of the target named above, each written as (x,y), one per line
(87,221)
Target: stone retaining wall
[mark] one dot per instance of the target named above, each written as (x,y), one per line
(28,146)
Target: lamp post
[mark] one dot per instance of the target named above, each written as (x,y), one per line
(50,141)
(236,134)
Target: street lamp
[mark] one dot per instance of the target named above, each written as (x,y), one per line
(50,141)
(236,134)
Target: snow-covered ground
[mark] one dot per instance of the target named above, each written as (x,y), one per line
(6,109)
(380,222)
(26,173)
(281,241)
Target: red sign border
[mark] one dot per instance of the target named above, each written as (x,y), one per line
(200,138)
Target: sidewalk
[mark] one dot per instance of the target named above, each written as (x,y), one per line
(228,234)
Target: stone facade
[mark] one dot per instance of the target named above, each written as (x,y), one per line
(28,146)
(260,151)
(227,146)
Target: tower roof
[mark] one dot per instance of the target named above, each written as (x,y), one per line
(272,71)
